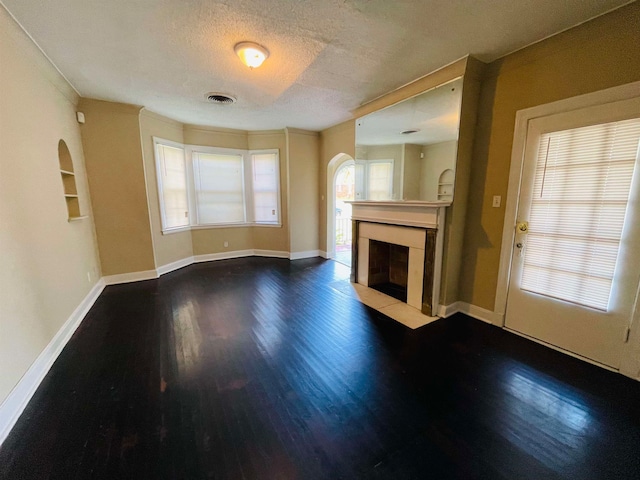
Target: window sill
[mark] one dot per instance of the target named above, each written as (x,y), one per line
(176,230)
(222,225)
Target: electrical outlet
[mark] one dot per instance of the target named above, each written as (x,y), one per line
(497,200)
(226,244)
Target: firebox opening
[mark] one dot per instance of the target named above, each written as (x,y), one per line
(389,269)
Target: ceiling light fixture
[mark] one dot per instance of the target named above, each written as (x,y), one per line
(251,54)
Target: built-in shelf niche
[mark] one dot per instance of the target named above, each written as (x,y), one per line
(69,182)
(445,185)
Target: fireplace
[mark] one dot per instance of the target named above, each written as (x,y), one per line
(397,249)
(389,269)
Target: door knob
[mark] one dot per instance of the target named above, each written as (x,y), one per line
(523,227)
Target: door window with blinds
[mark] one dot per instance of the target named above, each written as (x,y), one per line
(580,195)
(224,187)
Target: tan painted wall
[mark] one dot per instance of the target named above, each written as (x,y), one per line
(599,54)
(44,259)
(412,172)
(111,141)
(173,246)
(304,207)
(338,139)
(215,137)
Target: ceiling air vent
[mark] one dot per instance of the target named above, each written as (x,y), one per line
(220,98)
(409,132)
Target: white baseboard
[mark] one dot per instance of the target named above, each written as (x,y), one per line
(480,313)
(212,257)
(271,253)
(323,254)
(170,267)
(209,257)
(19,397)
(307,254)
(130,277)
(474,311)
(445,311)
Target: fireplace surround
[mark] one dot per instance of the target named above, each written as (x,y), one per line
(414,225)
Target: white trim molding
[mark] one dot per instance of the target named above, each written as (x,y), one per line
(130,277)
(210,257)
(473,311)
(271,253)
(178,264)
(445,311)
(19,397)
(307,254)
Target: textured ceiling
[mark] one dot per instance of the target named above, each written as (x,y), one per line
(327,56)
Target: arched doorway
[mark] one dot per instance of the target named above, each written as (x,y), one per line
(344,191)
(337,209)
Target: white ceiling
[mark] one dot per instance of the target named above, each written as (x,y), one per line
(434,114)
(327,56)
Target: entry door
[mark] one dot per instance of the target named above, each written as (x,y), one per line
(576,256)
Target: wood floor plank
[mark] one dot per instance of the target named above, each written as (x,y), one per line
(258,368)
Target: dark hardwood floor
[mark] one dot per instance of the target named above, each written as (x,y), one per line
(257,369)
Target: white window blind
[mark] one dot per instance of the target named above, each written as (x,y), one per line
(380,180)
(219,181)
(580,195)
(172,180)
(265,187)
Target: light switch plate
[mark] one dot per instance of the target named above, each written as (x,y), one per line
(497,200)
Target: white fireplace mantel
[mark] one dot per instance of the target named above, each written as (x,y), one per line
(410,213)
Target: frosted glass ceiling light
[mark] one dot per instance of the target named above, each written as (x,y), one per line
(251,54)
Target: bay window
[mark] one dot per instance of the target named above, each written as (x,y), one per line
(223,187)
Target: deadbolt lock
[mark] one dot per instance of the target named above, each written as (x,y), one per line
(523,227)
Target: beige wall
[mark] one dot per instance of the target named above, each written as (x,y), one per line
(599,54)
(457,213)
(412,172)
(111,141)
(44,259)
(304,205)
(171,247)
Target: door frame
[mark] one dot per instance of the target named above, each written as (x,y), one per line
(629,366)
(332,170)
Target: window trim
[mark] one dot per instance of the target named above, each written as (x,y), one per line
(263,151)
(367,174)
(160,185)
(194,177)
